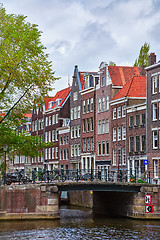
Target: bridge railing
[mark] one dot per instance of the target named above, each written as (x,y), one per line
(60,175)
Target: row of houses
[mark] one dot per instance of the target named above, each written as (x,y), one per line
(109,119)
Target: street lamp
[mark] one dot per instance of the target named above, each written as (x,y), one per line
(5,147)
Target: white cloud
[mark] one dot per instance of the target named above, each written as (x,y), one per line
(86,32)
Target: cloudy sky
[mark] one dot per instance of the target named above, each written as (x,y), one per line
(87,32)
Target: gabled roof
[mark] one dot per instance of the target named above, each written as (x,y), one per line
(60,95)
(120,75)
(82,81)
(134,88)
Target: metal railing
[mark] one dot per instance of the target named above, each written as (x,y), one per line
(26,177)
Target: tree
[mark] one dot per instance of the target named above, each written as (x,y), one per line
(143,56)
(111,63)
(26,76)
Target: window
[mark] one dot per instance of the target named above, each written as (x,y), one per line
(79,149)
(155,139)
(56,135)
(87,144)
(53,136)
(91,105)
(50,120)
(75,132)
(56,118)
(67,154)
(72,150)
(91,143)
(72,113)
(136,120)
(84,144)
(119,133)
(103,104)
(137,143)
(99,105)
(131,144)
(143,143)
(107,147)
(107,125)
(84,106)
(87,105)
(114,134)
(53,119)
(87,124)
(99,127)
(102,81)
(32,126)
(49,136)
(72,132)
(67,139)
(99,148)
(114,113)
(131,121)
(46,153)
(61,154)
(155,111)
(91,122)
(103,126)
(46,137)
(46,121)
(123,132)
(36,125)
(56,152)
(79,111)
(118,112)
(107,103)
(143,119)
(75,96)
(123,111)
(84,125)
(123,156)
(79,130)
(75,150)
(52,153)
(114,157)
(64,140)
(103,147)
(75,112)
(156,168)
(154,84)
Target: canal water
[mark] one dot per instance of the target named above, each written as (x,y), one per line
(79,223)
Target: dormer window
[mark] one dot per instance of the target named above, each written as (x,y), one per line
(51,104)
(58,101)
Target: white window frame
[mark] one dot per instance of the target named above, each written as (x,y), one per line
(123,156)
(114,157)
(155,138)
(123,111)
(156,168)
(91,105)
(79,112)
(72,113)
(87,110)
(99,104)
(119,133)
(154,84)
(114,134)
(114,113)
(119,112)
(99,126)
(107,103)
(75,96)
(103,104)
(155,111)
(84,107)
(75,112)
(124,132)
(53,119)
(57,118)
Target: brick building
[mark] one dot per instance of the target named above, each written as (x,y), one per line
(153,116)
(128,126)
(88,121)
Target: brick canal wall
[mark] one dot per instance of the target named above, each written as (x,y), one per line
(143,205)
(35,201)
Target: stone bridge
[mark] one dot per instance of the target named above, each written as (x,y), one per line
(41,201)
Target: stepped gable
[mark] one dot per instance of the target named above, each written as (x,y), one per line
(120,75)
(136,87)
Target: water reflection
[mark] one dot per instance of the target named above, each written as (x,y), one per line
(79,223)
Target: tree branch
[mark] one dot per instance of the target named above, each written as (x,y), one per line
(16,103)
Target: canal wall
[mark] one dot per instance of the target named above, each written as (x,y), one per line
(81,198)
(33,201)
(142,205)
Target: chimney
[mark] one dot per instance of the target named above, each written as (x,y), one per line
(152,59)
(142,70)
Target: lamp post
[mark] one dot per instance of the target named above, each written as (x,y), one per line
(5,147)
